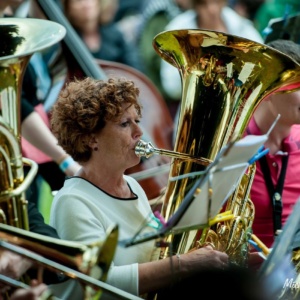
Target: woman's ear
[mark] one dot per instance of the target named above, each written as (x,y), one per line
(93,142)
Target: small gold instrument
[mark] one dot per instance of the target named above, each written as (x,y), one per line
(20,38)
(224,78)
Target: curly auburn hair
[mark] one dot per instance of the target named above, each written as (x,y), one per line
(83,108)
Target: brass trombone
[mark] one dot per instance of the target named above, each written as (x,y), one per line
(72,259)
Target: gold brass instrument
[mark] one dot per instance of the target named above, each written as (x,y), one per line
(232,235)
(224,78)
(74,260)
(20,38)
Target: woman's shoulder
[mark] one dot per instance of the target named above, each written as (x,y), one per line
(73,186)
(185,20)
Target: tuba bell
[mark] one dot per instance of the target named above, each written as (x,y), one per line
(20,38)
(224,78)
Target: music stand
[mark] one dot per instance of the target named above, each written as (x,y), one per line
(221,177)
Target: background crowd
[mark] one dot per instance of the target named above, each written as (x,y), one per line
(122,32)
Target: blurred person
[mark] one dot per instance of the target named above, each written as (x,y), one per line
(276,187)
(213,15)
(97,123)
(273,9)
(104,40)
(108,10)
(127,8)
(128,19)
(8,6)
(156,14)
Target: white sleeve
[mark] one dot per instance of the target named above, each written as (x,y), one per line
(124,278)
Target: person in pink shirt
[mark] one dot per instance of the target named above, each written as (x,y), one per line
(276,186)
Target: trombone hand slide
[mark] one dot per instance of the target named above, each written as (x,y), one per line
(147,150)
(47,295)
(83,278)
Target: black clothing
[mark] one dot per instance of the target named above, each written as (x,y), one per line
(29,92)
(37,223)
(51,173)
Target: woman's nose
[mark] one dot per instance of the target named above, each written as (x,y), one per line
(138,131)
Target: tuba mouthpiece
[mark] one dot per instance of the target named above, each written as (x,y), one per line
(143,149)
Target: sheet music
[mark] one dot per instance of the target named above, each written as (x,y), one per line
(223,178)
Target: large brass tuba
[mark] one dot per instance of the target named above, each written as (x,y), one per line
(20,38)
(224,78)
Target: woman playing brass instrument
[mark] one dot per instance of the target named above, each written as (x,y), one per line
(97,123)
(284,154)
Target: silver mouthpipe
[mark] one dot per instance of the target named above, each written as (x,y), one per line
(143,149)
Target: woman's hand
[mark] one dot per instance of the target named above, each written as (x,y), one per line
(13,265)
(203,258)
(34,293)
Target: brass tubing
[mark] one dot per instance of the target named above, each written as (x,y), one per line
(81,277)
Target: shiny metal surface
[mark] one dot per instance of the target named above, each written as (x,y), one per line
(232,235)
(20,38)
(224,78)
(24,36)
(146,149)
(74,260)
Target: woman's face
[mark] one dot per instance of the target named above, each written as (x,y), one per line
(287,105)
(209,10)
(117,140)
(80,11)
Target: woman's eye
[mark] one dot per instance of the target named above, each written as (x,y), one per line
(138,121)
(124,124)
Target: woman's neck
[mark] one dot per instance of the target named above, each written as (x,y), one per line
(92,40)
(112,183)
(216,25)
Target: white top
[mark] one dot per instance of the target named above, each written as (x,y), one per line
(82,212)
(235,24)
